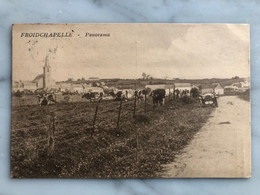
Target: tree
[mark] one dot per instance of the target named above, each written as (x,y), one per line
(94,84)
(144,76)
(69,80)
(18,94)
(194,92)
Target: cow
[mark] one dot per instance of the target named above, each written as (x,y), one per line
(46,99)
(176,94)
(184,93)
(120,95)
(158,97)
(101,94)
(91,96)
(140,94)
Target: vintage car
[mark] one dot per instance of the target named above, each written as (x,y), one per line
(208,99)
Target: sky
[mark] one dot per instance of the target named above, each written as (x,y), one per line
(188,51)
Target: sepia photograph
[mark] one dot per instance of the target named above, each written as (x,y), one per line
(130,100)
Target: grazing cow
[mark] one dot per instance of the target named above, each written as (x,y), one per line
(176,93)
(112,94)
(185,92)
(120,95)
(101,94)
(91,96)
(46,99)
(158,97)
(140,94)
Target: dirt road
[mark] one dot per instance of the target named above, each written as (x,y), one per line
(221,148)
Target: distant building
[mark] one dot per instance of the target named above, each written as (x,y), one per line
(219,90)
(44,80)
(238,84)
(95,90)
(160,86)
(245,84)
(168,88)
(17,86)
(29,85)
(195,86)
(65,87)
(230,89)
(78,88)
(93,78)
(212,88)
(207,88)
(39,81)
(183,86)
(48,82)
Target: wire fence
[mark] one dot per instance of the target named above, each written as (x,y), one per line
(54,122)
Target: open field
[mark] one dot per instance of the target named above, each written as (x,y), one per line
(138,148)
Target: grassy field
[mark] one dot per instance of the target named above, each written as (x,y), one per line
(138,148)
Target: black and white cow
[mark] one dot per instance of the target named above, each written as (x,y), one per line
(121,95)
(91,96)
(46,99)
(141,93)
(158,97)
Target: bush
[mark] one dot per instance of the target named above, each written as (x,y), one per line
(186,100)
(194,92)
(18,94)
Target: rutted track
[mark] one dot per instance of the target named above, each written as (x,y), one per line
(221,148)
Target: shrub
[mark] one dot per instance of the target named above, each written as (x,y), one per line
(194,92)
(186,100)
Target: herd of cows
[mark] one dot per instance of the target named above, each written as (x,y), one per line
(158,96)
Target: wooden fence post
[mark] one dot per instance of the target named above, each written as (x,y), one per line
(94,120)
(136,150)
(119,112)
(51,140)
(135,104)
(145,102)
(20,101)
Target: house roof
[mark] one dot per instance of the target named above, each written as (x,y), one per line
(37,78)
(211,86)
(231,87)
(219,86)
(182,85)
(196,86)
(94,89)
(93,78)
(28,83)
(16,85)
(208,86)
(160,86)
(65,85)
(77,85)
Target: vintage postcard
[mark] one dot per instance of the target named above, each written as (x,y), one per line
(130,101)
